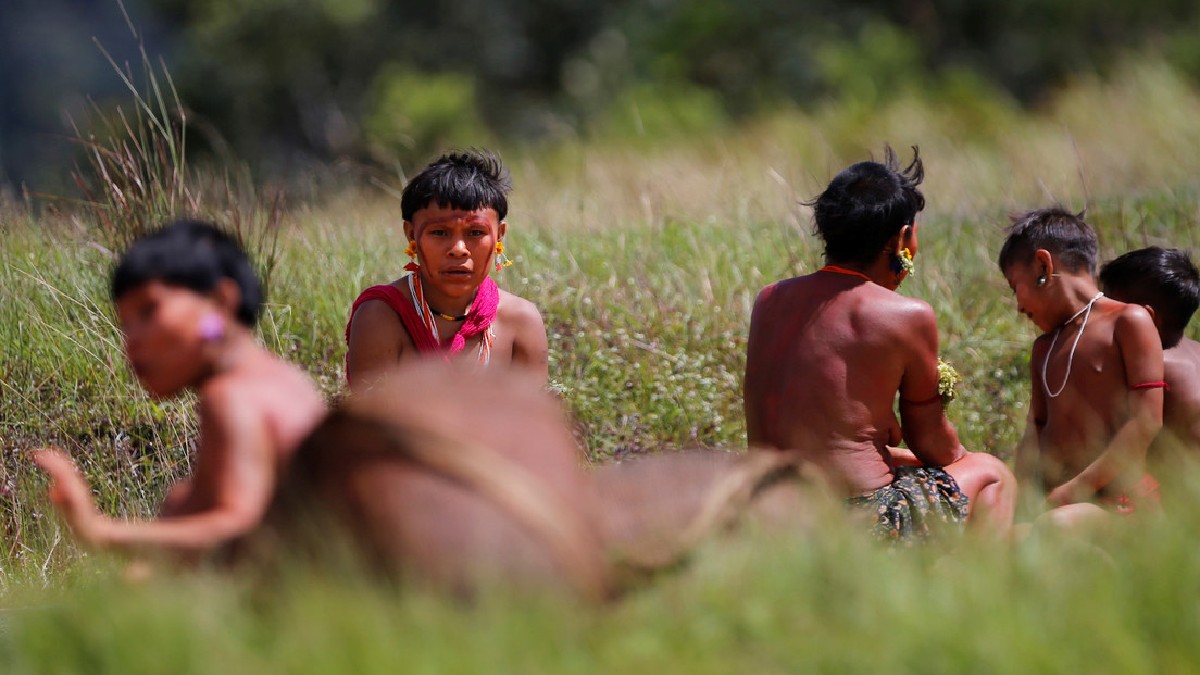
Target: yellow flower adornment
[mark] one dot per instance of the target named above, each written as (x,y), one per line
(411,251)
(948,379)
(501,259)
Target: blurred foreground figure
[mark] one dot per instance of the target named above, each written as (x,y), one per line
(458,478)
(187,300)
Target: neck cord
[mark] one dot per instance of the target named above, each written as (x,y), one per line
(1087,313)
(426,314)
(842,270)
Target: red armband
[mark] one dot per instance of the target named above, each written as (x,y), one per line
(1160,384)
(926,401)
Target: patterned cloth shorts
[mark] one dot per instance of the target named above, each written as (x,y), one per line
(920,501)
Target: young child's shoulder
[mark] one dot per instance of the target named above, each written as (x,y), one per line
(279,391)
(1133,320)
(1182,362)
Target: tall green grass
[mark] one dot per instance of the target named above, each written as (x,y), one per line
(644,262)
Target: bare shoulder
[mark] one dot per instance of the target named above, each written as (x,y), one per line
(375,316)
(1182,363)
(767,291)
(1134,317)
(518,311)
(901,313)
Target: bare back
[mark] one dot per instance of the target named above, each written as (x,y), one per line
(826,358)
(1181,400)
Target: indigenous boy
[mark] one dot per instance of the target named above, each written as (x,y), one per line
(830,351)
(1097,372)
(1167,284)
(187,299)
(453,213)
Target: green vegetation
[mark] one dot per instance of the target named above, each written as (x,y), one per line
(644,259)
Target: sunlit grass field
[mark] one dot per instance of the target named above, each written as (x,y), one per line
(644,257)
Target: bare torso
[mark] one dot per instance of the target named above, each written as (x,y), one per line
(826,358)
(1082,420)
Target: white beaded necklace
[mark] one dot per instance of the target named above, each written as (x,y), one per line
(1087,313)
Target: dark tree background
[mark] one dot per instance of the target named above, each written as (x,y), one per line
(282,83)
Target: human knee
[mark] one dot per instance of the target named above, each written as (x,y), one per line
(987,468)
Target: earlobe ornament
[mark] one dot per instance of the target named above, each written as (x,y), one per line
(212,327)
(1041,281)
(501,259)
(412,265)
(903,264)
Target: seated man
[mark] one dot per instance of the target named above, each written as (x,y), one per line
(830,352)
(1167,284)
(453,213)
(187,299)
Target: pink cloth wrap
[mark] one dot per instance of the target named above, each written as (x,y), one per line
(480,316)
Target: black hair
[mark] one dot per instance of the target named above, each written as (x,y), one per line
(1163,278)
(468,180)
(1063,234)
(190,254)
(867,204)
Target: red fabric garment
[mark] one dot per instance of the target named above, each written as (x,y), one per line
(422,339)
(479,319)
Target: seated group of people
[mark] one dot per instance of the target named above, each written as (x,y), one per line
(841,381)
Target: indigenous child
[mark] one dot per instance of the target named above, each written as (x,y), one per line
(187,299)
(1167,284)
(1097,373)
(829,353)
(453,213)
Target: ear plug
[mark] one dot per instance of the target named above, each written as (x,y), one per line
(212,327)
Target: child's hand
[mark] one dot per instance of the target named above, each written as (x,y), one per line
(1069,492)
(70,493)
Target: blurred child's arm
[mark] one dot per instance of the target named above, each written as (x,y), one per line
(530,350)
(234,464)
(376,334)
(923,422)
(1141,352)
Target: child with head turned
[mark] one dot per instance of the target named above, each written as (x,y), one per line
(1097,371)
(448,305)
(1167,284)
(830,353)
(187,300)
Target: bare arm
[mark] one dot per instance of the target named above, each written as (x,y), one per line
(376,342)
(923,422)
(530,349)
(1028,453)
(235,458)
(1141,351)
(751,386)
